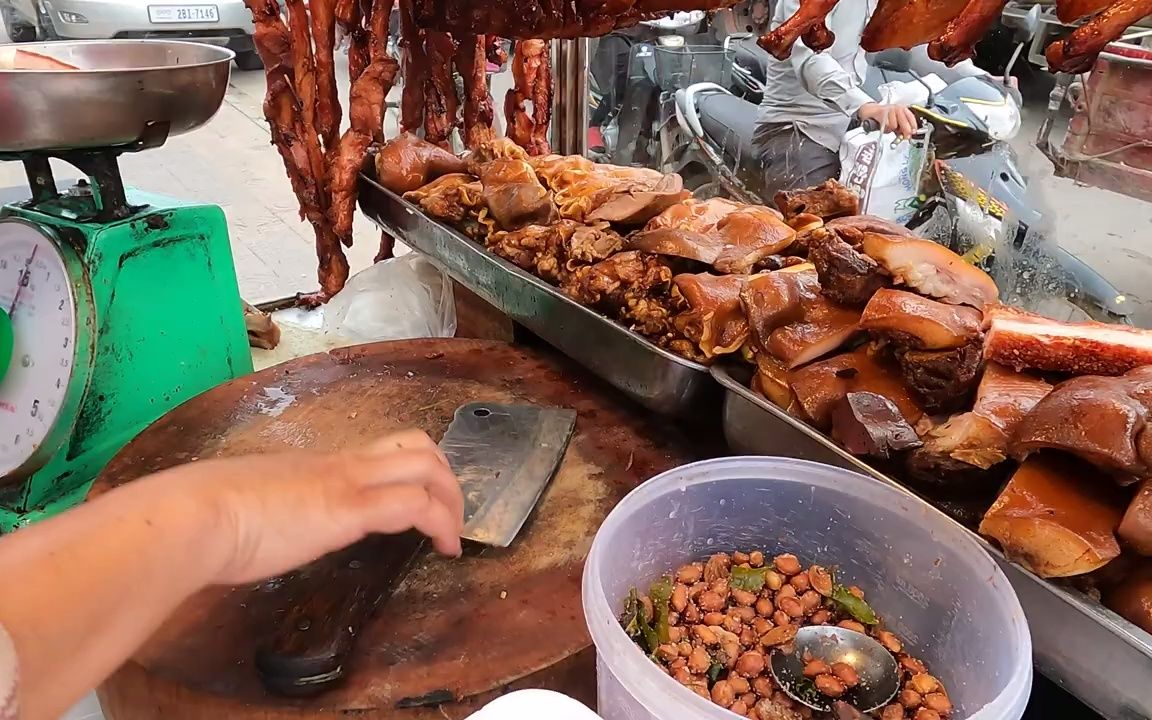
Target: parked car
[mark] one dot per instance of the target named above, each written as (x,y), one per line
(219,22)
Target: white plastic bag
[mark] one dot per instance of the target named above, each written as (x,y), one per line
(404,297)
(884,171)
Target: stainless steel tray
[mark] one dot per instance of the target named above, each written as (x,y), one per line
(1090,651)
(657,379)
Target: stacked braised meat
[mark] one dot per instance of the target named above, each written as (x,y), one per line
(892,344)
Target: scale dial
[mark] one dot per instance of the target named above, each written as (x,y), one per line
(37,296)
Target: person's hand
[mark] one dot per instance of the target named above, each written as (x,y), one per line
(895,118)
(276,512)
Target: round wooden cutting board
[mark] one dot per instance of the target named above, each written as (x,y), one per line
(472,626)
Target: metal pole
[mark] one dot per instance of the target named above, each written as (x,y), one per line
(570,97)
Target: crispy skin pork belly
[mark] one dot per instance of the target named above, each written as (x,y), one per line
(1024,340)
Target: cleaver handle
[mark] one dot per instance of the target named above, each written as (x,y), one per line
(327,605)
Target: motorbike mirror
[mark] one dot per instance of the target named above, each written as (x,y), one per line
(894,60)
(1024,27)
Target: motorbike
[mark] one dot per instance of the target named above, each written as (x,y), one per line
(972,196)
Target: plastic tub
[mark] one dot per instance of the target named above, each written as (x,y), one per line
(931,583)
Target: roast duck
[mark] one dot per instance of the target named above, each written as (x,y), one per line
(1029,429)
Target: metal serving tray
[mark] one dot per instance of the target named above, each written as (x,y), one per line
(1090,651)
(657,379)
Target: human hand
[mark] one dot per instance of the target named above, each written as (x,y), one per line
(273,513)
(895,118)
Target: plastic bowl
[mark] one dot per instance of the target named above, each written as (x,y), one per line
(930,582)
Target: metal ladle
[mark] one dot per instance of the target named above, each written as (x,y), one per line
(877,668)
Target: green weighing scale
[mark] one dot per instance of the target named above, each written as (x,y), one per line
(115,305)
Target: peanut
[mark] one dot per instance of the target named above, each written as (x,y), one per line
(743,614)
(721,587)
(856,591)
(764,607)
(787,563)
(699,661)
(820,617)
(706,635)
(682,676)
(668,652)
(740,686)
(761,626)
(738,707)
(816,667)
(892,712)
(781,618)
(713,619)
(820,580)
(852,625)
(673,617)
(800,582)
(912,666)
(909,698)
(786,592)
(710,601)
(739,558)
(690,574)
(846,674)
(773,580)
(717,567)
(691,614)
(829,685)
(685,649)
(744,598)
(750,664)
(748,637)
(890,642)
(732,625)
(756,559)
(762,686)
(679,598)
(938,702)
(810,601)
(723,694)
(792,607)
(695,590)
(779,635)
(924,683)
(700,687)
(926,714)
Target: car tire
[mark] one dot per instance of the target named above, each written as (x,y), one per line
(249,60)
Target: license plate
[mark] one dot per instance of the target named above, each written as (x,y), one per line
(183,13)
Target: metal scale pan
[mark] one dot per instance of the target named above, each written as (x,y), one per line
(119,89)
(655,378)
(1087,649)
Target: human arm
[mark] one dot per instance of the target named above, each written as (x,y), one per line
(819,72)
(87,588)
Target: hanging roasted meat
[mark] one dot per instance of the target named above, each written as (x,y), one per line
(1077,52)
(304,113)
(415,70)
(532,82)
(440,100)
(471,63)
(533,19)
(953,27)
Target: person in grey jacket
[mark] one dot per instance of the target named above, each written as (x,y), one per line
(811,98)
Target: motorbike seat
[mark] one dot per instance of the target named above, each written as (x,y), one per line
(730,122)
(753,58)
